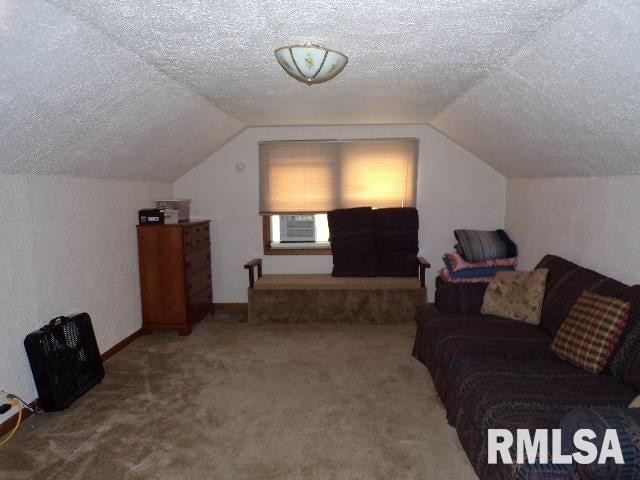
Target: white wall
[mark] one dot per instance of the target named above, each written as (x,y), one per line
(455,190)
(68,245)
(594,222)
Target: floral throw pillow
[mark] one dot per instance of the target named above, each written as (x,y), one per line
(516,295)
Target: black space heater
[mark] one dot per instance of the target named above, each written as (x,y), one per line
(65,360)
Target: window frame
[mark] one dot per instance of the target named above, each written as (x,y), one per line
(269,250)
(309,249)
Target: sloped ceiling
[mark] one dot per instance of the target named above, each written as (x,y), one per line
(149,88)
(566,104)
(72,101)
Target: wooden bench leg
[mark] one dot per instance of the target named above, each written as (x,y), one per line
(423,265)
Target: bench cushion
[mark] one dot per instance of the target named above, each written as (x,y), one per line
(328,282)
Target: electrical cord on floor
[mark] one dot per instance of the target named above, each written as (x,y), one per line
(14,402)
(24,404)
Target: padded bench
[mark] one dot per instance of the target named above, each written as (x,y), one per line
(322,298)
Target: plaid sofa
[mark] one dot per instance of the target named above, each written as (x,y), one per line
(491,372)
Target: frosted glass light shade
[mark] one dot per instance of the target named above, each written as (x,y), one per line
(310,63)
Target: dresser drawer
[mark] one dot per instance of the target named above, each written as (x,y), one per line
(198,281)
(197,260)
(187,240)
(200,301)
(198,236)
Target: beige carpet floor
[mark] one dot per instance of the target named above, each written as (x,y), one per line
(237,401)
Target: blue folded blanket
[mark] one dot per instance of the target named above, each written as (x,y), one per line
(474,272)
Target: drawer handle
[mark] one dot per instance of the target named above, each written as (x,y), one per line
(209,277)
(208,256)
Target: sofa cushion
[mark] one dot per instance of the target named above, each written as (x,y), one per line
(565,283)
(396,239)
(446,335)
(587,337)
(353,242)
(516,295)
(443,339)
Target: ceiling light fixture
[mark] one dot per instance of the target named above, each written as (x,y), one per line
(309,63)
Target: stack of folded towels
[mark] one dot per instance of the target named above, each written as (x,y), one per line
(479,256)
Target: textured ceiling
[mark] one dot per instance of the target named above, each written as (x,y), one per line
(408,59)
(567,104)
(149,88)
(73,102)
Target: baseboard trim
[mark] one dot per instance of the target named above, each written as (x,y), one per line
(231,307)
(7,425)
(121,345)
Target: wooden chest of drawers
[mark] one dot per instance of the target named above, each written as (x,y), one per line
(175,275)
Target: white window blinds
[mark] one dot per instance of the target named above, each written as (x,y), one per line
(320,176)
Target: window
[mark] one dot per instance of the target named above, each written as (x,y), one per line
(296,234)
(302,180)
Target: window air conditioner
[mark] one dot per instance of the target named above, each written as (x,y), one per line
(297,228)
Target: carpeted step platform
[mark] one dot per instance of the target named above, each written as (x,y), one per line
(317,298)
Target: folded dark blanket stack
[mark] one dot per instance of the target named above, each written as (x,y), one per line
(396,234)
(479,256)
(352,242)
(368,243)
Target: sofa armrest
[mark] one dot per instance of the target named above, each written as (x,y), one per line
(626,422)
(464,298)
